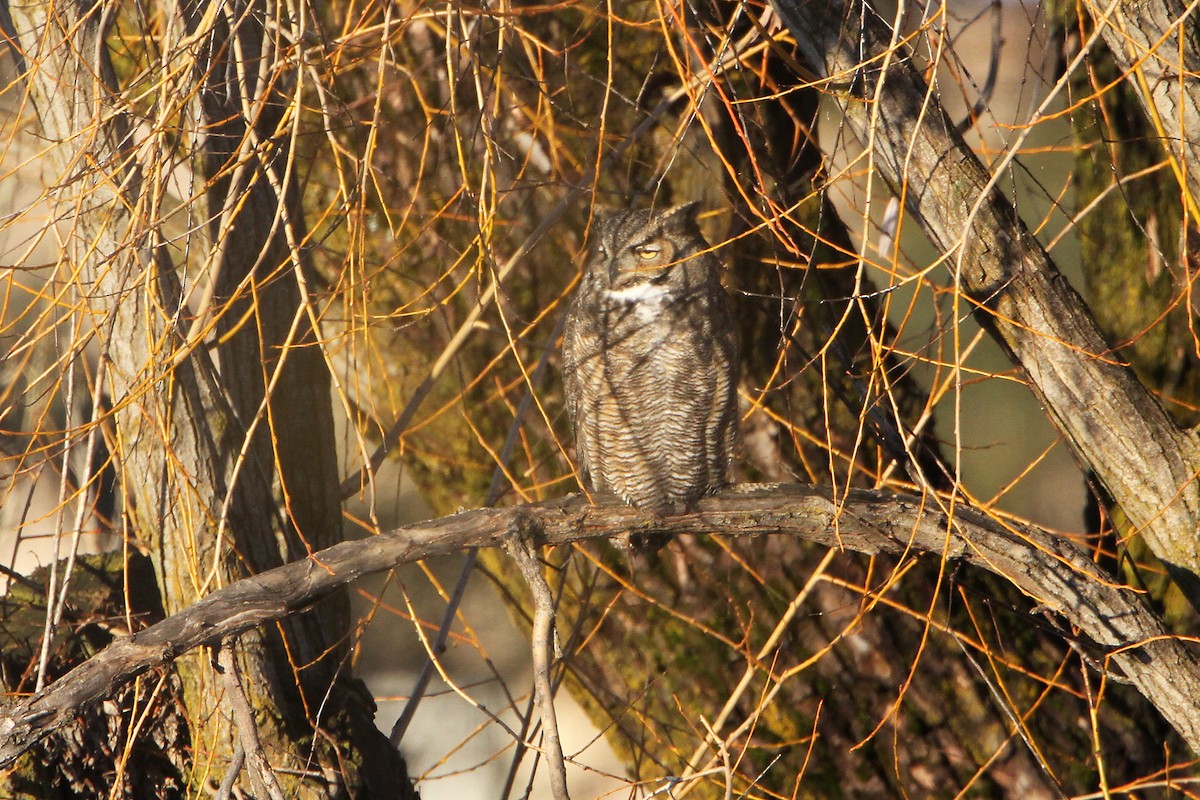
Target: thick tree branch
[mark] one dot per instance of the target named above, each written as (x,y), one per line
(1052,571)
(1114,425)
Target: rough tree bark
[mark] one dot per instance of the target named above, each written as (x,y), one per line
(1137,272)
(1156,45)
(227,468)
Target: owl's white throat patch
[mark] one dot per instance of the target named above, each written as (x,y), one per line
(646,300)
(644,292)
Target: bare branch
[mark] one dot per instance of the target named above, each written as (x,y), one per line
(1052,571)
(543,636)
(261,774)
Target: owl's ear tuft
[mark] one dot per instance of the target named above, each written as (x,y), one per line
(602,217)
(682,214)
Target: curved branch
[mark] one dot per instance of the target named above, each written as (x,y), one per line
(1049,569)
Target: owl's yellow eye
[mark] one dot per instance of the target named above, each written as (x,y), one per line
(648,251)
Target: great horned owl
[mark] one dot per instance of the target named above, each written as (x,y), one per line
(650,362)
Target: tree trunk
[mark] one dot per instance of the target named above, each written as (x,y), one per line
(228,468)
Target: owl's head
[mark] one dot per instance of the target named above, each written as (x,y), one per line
(649,248)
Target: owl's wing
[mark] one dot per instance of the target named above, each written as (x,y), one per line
(579,345)
(723,408)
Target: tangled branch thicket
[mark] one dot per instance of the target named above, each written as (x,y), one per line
(261,259)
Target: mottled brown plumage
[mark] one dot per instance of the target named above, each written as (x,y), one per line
(650,359)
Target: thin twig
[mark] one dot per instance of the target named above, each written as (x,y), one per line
(542,637)
(243,717)
(225,790)
(53,611)
(439,646)
(499,484)
(519,751)
(1019,726)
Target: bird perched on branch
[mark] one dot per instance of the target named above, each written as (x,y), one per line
(650,363)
